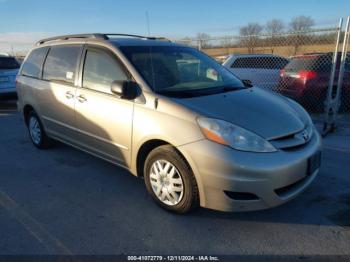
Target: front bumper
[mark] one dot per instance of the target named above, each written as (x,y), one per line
(227,178)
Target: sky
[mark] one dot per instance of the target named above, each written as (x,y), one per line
(24,21)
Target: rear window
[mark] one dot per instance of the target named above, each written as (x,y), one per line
(260,62)
(8,63)
(32,65)
(319,63)
(61,63)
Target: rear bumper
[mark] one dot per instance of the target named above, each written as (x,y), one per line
(8,91)
(231,180)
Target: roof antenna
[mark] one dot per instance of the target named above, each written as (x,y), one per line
(148,25)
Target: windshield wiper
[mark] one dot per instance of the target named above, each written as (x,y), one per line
(231,88)
(199,92)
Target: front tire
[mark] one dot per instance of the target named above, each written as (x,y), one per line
(36,132)
(170,180)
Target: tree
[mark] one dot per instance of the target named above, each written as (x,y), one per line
(249,34)
(186,40)
(226,41)
(250,29)
(203,40)
(301,23)
(273,27)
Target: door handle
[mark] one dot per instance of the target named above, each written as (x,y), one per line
(81,98)
(69,95)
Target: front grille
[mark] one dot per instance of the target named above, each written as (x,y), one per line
(292,141)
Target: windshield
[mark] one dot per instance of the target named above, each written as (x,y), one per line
(8,63)
(180,70)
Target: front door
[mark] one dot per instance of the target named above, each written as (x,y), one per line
(104,121)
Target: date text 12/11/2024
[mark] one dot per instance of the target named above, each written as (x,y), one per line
(173,258)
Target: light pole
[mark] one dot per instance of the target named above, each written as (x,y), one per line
(148,25)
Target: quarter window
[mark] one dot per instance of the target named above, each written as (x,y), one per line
(100,70)
(32,65)
(260,62)
(61,63)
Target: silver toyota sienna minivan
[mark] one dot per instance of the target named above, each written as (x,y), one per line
(170,114)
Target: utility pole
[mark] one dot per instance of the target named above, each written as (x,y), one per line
(148,25)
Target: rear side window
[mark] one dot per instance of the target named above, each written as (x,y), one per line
(61,63)
(246,62)
(8,63)
(260,62)
(319,63)
(100,70)
(33,64)
(277,62)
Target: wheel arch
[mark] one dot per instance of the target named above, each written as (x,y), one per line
(144,151)
(151,144)
(26,111)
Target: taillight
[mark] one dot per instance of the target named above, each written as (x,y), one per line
(282,72)
(306,74)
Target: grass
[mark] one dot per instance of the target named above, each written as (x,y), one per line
(286,51)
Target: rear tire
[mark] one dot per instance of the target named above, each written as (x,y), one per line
(36,132)
(170,180)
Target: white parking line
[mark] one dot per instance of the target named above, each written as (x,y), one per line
(50,242)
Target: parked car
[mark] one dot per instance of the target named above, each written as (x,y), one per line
(8,70)
(306,78)
(221,58)
(261,69)
(193,131)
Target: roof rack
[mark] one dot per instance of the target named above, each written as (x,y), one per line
(66,37)
(98,36)
(138,36)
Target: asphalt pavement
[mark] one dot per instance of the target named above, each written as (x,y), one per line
(64,201)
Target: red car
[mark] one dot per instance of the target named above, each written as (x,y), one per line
(305,79)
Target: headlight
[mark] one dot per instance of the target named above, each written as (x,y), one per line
(309,125)
(225,133)
(310,130)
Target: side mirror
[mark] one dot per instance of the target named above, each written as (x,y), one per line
(125,89)
(247,83)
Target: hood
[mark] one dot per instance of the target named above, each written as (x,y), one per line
(262,112)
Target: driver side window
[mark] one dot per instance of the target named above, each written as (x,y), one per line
(100,70)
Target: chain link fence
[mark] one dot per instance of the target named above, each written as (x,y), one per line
(306,66)
(295,64)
